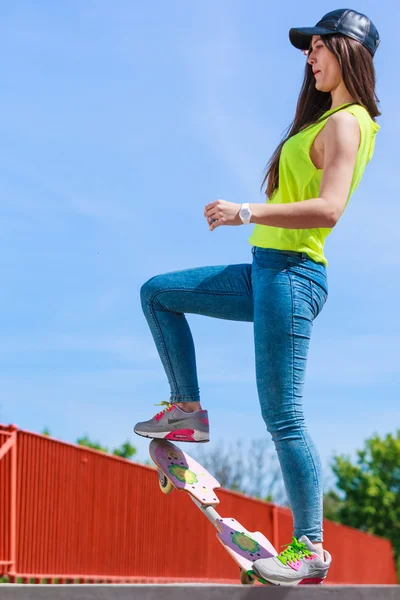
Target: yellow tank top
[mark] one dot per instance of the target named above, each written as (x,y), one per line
(300,180)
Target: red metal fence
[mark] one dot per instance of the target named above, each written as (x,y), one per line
(70,513)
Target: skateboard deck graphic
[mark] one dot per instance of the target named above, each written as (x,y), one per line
(244,546)
(184,472)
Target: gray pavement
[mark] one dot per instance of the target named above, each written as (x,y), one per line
(194,592)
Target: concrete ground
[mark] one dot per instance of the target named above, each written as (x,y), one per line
(194,592)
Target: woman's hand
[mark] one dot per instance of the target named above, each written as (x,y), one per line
(222,212)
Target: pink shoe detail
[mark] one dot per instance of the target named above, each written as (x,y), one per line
(312,581)
(295,564)
(205,421)
(312,557)
(159,415)
(181,435)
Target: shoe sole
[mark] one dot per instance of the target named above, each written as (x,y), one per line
(305,581)
(180,435)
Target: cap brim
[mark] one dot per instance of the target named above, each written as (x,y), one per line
(301,37)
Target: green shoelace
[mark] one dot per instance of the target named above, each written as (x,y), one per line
(294,551)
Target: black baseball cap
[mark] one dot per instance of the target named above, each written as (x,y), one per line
(343,20)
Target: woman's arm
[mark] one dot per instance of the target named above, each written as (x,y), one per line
(341,139)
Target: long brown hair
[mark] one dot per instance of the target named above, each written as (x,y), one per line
(358,74)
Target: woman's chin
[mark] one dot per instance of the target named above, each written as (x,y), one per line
(322,88)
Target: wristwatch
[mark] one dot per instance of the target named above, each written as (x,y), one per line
(245,213)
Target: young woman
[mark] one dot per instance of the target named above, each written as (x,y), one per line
(310,179)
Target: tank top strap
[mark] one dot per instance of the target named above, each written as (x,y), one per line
(328,114)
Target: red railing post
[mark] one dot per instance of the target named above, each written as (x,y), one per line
(275,527)
(8,566)
(13,500)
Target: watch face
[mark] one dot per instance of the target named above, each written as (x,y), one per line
(245,213)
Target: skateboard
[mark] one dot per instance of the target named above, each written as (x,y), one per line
(177,470)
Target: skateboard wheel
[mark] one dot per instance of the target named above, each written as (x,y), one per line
(246,579)
(165,485)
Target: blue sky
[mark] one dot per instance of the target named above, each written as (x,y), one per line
(120,121)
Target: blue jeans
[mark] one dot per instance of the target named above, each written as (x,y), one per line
(281,292)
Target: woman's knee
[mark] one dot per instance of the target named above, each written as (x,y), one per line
(283,425)
(150,289)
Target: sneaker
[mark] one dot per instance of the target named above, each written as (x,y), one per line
(176,425)
(299,564)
